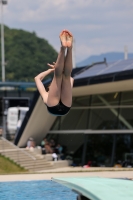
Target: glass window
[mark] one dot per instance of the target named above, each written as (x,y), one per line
(75,119)
(102,119)
(126,118)
(98,152)
(56,125)
(81,101)
(127,98)
(2,93)
(105,99)
(12,93)
(123,146)
(71,141)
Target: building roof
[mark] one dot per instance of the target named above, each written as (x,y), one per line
(97,69)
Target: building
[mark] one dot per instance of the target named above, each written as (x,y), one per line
(99,126)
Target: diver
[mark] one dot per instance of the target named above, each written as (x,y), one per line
(58,98)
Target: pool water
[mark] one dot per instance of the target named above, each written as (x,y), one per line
(35,190)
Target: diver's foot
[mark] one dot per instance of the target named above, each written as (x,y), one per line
(69,38)
(63,39)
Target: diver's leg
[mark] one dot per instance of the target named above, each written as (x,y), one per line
(67,80)
(54,94)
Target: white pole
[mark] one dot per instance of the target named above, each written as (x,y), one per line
(125,52)
(2,44)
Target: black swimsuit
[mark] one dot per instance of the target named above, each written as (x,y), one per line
(59,109)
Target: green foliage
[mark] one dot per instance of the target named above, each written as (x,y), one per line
(26,55)
(8,166)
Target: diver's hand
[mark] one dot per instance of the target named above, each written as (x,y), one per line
(52,66)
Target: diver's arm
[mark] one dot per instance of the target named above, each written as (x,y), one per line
(42,75)
(38,80)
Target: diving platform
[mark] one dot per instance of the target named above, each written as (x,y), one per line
(96,188)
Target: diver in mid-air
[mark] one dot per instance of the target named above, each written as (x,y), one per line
(58,99)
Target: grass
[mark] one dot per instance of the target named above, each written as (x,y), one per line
(7,166)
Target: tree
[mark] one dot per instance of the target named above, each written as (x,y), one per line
(26,55)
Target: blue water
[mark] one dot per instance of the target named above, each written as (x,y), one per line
(35,190)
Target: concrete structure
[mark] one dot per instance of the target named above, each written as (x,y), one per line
(30,159)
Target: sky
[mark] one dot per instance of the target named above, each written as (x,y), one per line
(98,26)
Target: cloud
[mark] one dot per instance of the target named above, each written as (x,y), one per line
(98,26)
(42,10)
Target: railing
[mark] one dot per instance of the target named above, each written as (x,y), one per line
(18,150)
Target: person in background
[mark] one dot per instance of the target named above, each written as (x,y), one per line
(30,143)
(59,150)
(43,143)
(48,148)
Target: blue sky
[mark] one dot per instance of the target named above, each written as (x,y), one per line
(98,26)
